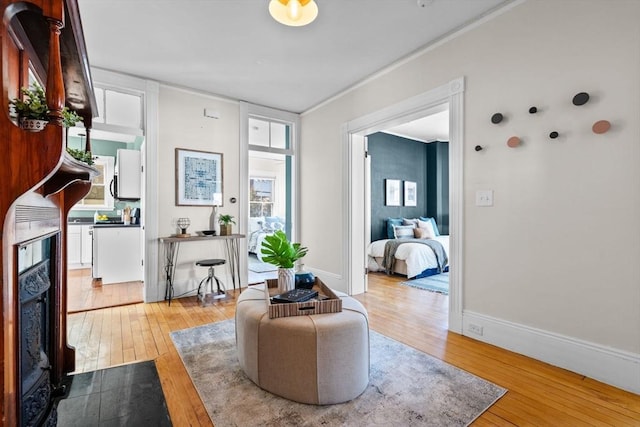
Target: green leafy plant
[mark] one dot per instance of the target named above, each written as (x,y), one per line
(70,117)
(33,105)
(81,155)
(226,219)
(279,251)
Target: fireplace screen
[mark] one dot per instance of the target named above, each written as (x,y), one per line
(36,278)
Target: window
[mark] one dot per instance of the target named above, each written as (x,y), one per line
(118,108)
(268,133)
(261,196)
(99,196)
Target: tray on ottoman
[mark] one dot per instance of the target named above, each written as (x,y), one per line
(326,302)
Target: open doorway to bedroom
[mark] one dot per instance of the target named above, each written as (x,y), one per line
(355,134)
(408,181)
(271,190)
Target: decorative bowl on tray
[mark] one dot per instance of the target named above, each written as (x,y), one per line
(209,232)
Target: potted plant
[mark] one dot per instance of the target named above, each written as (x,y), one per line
(225,224)
(32,110)
(279,251)
(70,117)
(83,156)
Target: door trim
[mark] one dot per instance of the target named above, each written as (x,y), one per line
(451,93)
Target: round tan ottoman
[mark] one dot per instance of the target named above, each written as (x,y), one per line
(319,359)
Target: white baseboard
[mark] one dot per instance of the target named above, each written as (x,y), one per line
(332,280)
(612,366)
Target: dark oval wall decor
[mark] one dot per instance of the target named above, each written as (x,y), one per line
(533,110)
(496,118)
(554,135)
(581,98)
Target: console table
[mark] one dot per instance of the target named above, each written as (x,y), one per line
(172,247)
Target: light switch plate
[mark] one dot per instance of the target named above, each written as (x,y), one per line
(484,198)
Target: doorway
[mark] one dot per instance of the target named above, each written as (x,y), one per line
(269,178)
(354,138)
(269,193)
(100,212)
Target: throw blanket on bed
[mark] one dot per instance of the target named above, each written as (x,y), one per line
(391,247)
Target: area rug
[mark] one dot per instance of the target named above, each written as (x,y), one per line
(406,387)
(436,283)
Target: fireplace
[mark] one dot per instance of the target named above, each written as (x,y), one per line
(37,278)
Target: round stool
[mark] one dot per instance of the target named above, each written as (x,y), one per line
(202,291)
(319,359)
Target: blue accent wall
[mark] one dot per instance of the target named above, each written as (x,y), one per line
(394,157)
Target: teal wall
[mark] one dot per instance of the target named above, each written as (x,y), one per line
(394,157)
(104,148)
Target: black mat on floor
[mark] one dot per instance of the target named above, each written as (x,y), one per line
(129,395)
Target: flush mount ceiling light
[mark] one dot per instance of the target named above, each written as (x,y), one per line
(294,13)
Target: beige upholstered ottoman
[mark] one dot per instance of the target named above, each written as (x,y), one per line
(319,359)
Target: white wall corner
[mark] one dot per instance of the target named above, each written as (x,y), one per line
(612,366)
(332,280)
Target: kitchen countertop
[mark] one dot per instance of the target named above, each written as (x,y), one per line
(99,225)
(89,221)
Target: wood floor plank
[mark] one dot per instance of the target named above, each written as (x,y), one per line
(539,394)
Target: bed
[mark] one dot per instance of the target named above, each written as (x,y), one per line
(259,227)
(413,257)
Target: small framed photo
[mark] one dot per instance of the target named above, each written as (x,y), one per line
(198,178)
(410,194)
(392,187)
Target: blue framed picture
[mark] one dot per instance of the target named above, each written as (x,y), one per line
(198,178)
(392,189)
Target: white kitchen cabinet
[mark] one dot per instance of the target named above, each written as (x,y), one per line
(86,244)
(74,246)
(79,246)
(128,174)
(117,254)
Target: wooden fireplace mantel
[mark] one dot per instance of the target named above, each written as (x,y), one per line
(40,181)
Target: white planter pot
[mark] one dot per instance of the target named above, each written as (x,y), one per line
(33,125)
(286,279)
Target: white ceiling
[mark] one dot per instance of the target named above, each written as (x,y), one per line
(427,129)
(233,48)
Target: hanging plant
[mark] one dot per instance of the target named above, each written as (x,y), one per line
(70,117)
(81,155)
(31,110)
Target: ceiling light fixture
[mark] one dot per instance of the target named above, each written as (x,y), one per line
(294,13)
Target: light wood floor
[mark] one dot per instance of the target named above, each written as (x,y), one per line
(539,394)
(84,293)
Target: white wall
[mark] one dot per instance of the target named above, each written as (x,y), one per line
(559,252)
(182,124)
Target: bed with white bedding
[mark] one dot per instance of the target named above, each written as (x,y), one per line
(411,259)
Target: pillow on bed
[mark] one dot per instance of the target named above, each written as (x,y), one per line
(426,225)
(403,231)
(390,223)
(433,224)
(410,221)
(422,233)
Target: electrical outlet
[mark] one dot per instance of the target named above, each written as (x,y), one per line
(484,198)
(476,329)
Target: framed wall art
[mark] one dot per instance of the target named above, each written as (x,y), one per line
(410,193)
(392,189)
(198,178)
